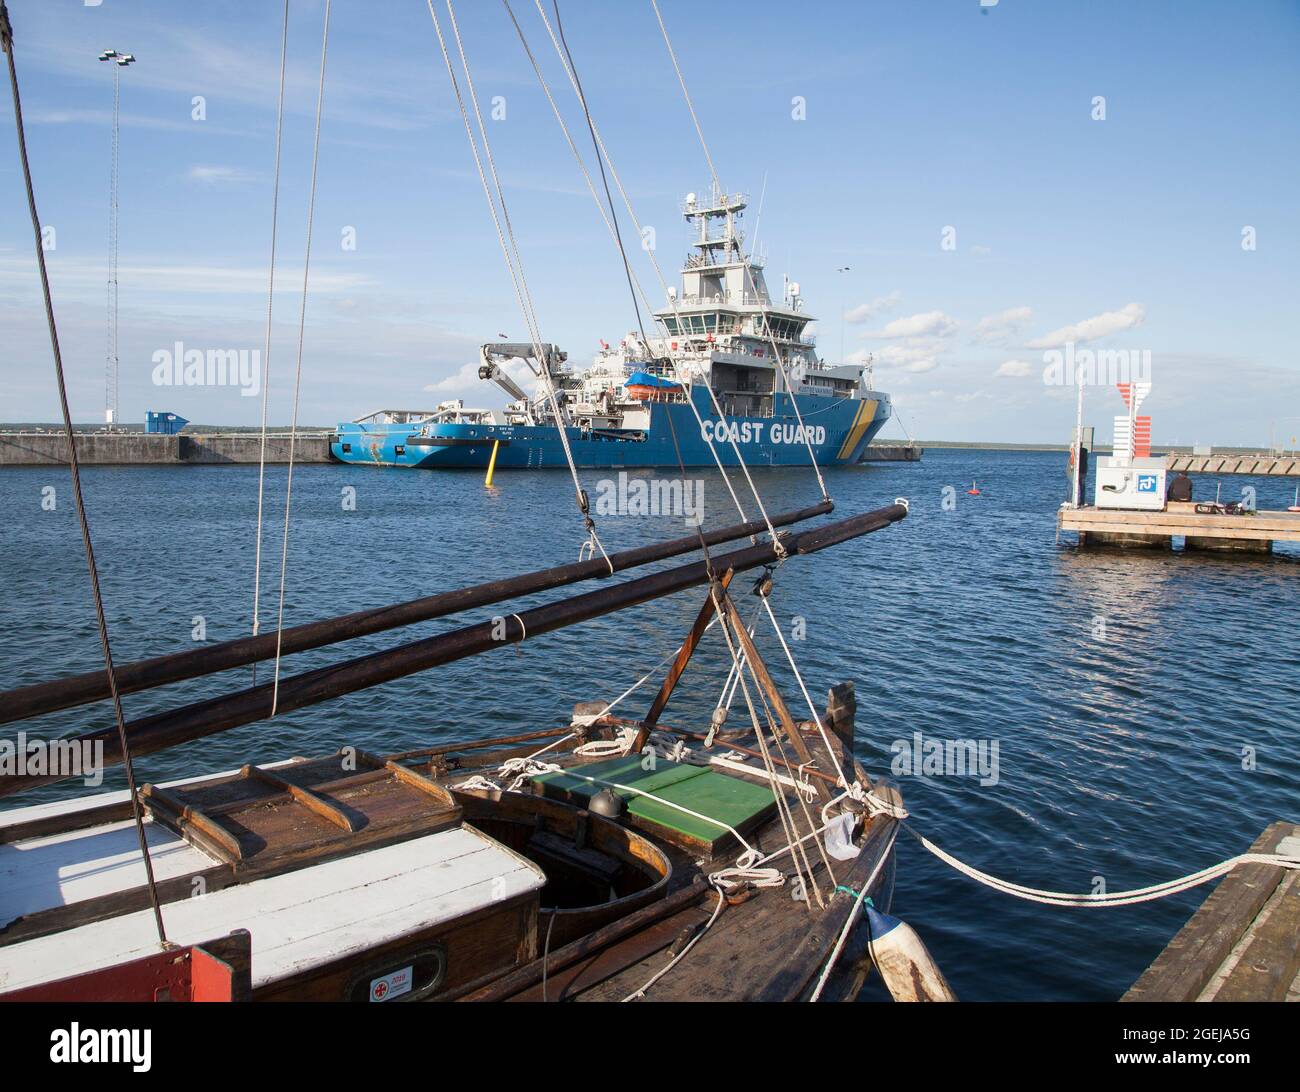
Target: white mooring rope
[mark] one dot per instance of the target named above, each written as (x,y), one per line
(1115,898)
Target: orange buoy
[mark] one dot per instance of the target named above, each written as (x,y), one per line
(973,491)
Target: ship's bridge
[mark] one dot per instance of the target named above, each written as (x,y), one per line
(724,293)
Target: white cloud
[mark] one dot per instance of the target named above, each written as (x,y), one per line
(864,311)
(917,354)
(85,279)
(926,324)
(1003,325)
(220,176)
(1091,329)
(1014,369)
(127,121)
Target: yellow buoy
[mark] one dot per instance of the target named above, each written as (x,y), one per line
(492,463)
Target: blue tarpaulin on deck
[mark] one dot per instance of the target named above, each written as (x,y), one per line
(645,379)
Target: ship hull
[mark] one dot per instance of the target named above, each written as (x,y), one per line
(839,431)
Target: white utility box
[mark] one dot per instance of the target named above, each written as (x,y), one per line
(1131,483)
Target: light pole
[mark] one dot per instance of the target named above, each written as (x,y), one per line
(843,304)
(111,414)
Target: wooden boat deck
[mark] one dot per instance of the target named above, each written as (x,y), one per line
(768,947)
(331,862)
(1243,944)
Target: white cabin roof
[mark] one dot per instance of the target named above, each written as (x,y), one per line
(298,920)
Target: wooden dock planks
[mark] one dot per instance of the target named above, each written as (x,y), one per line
(1182,519)
(1243,943)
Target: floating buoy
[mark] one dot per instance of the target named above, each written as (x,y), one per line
(1295,507)
(973,491)
(905,964)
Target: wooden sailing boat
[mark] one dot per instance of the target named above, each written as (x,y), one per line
(607,858)
(397,876)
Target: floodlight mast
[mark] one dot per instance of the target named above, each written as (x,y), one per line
(112,415)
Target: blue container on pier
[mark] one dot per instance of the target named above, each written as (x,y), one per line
(163,424)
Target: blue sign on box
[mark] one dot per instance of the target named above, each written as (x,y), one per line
(1146,483)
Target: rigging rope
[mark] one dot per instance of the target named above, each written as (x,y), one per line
(266,341)
(682,372)
(853,914)
(541,79)
(627,265)
(573,147)
(821,728)
(604,181)
(297,381)
(717,186)
(787,820)
(687,96)
(514,262)
(7,44)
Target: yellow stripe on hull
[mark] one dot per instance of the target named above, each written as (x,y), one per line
(865,415)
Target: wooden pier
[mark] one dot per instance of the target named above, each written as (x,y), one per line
(1253,532)
(1243,944)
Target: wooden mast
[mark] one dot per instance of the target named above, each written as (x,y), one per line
(74,690)
(684,655)
(769,686)
(204,718)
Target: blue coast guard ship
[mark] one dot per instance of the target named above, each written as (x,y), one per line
(633,406)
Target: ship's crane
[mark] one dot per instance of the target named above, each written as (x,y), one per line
(494,354)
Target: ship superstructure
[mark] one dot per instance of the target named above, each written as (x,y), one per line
(745,360)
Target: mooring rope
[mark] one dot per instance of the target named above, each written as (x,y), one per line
(7,44)
(1116,898)
(297,381)
(266,341)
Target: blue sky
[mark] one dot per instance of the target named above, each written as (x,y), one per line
(1122,233)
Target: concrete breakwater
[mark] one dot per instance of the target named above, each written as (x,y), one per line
(48,448)
(141,449)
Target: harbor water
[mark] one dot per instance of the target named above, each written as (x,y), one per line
(1145,706)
